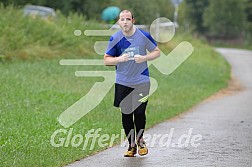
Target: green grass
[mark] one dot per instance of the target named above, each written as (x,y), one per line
(35,89)
(28,38)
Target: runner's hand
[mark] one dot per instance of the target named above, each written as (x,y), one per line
(139,58)
(122,58)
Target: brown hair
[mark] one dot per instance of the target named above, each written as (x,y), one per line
(126,11)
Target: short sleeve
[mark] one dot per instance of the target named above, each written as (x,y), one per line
(150,43)
(111,49)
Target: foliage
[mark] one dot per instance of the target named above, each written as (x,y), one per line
(229,16)
(145,10)
(248,25)
(27,37)
(248,10)
(225,18)
(194,11)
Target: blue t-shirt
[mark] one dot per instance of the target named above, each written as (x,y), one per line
(131,73)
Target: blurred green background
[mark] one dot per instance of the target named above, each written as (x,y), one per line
(214,19)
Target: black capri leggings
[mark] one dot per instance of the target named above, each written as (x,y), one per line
(132,102)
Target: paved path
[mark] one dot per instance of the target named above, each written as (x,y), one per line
(225,124)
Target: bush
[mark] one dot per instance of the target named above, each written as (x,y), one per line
(225,19)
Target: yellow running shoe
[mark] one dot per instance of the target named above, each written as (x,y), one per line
(131,151)
(142,149)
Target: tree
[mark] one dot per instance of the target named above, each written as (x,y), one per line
(225,18)
(146,11)
(248,26)
(248,10)
(194,12)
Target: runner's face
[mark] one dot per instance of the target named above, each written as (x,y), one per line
(125,21)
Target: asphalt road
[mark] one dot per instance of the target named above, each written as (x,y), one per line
(217,132)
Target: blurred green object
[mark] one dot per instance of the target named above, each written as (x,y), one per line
(110,13)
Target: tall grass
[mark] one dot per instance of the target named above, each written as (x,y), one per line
(28,37)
